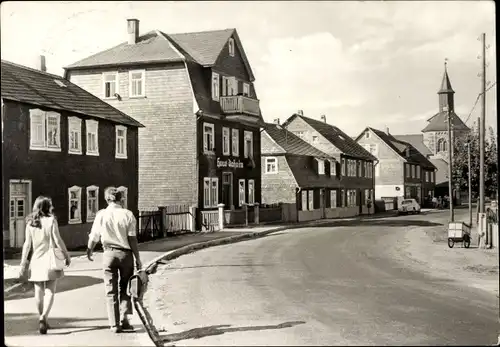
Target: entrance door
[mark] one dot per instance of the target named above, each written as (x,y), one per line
(18,212)
(227,190)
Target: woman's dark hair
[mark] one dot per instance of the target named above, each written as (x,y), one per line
(41,208)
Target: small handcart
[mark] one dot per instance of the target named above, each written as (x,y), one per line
(459,232)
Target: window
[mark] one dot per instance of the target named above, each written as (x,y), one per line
(442,145)
(351,197)
(321,166)
(124,192)
(426,176)
(92,137)
(210,191)
(225,141)
(367,196)
(251,192)
(333,198)
(110,84)
(414,171)
(342,198)
(304,200)
(45,130)
(418,171)
(310,200)
(367,134)
(299,134)
(92,202)
(246,89)
(342,167)
(315,139)
(226,86)
(233,86)
(333,168)
(235,142)
(74,135)
(215,86)
(248,144)
(407,169)
(358,168)
(208,137)
(230,46)
(271,165)
(137,81)
(241,191)
(121,142)
(75,205)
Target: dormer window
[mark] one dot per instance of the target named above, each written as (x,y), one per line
(231,47)
(321,166)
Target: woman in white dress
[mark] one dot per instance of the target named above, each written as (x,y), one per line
(41,226)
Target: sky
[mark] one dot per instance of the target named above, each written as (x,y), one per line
(371,63)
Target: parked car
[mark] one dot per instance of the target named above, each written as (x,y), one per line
(409,206)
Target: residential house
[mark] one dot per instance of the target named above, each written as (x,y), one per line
(60,141)
(433,142)
(194,92)
(402,171)
(356,163)
(296,173)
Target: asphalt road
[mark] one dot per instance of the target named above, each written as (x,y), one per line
(319,286)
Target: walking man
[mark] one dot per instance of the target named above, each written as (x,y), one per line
(115,227)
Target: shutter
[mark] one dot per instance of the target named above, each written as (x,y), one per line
(37,129)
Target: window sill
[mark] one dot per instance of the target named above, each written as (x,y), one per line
(137,96)
(75,221)
(75,153)
(271,173)
(93,154)
(90,219)
(121,157)
(209,152)
(47,149)
(110,98)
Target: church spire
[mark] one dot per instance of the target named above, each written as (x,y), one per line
(446,97)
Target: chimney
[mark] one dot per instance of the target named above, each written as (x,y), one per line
(133,31)
(300,112)
(41,64)
(277,121)
(387,131)
(323,118)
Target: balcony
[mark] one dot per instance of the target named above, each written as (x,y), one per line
(239,105)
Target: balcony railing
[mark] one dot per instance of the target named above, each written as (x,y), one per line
(239,104)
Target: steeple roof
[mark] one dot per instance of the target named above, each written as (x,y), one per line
(446,84)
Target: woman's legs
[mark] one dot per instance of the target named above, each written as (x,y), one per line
(39,296)
(50,292)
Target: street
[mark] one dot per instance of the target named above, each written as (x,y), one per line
(341,285)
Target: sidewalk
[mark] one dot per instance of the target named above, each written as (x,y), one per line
(79,317)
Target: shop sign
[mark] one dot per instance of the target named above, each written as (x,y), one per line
(235,164)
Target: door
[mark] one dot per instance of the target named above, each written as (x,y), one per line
(18,212)
(227,190)
(322,200)
(360,200)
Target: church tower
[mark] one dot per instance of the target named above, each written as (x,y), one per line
(446,93)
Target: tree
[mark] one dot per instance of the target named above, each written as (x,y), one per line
(461,168)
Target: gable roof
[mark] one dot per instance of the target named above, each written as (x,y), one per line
(439,122)
(442,170)
(404,149)
(417,141)
(336,137)
(291,143)
(151,47)
(27,85)
(305,175)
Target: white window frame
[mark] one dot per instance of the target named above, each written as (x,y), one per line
(251,192)
(321,166)
(304,196)
(235,142)
(208,147)
(104,75)
(89,124)
(367,196)
(333,198)
(418,171)
(233,84)
(215,86)
(241,193)
(266,166)
(342,166)
(333,168)
(124,138)
(143,83)
(342,198)
(300,134)
(246,89)
(75,126)
(43,118)
(230,46)
(226,86)
(124,191)
(248,151)
(78,190)
(226,141)
(37,128)
(210,196)
(90,215)
(310,200)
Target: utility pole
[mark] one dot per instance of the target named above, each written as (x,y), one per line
(482,129)
(470,184)
(450,167)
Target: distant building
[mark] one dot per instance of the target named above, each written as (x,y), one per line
(402,171)
(60,141)
(196,96)
(356,164)
(433,142)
